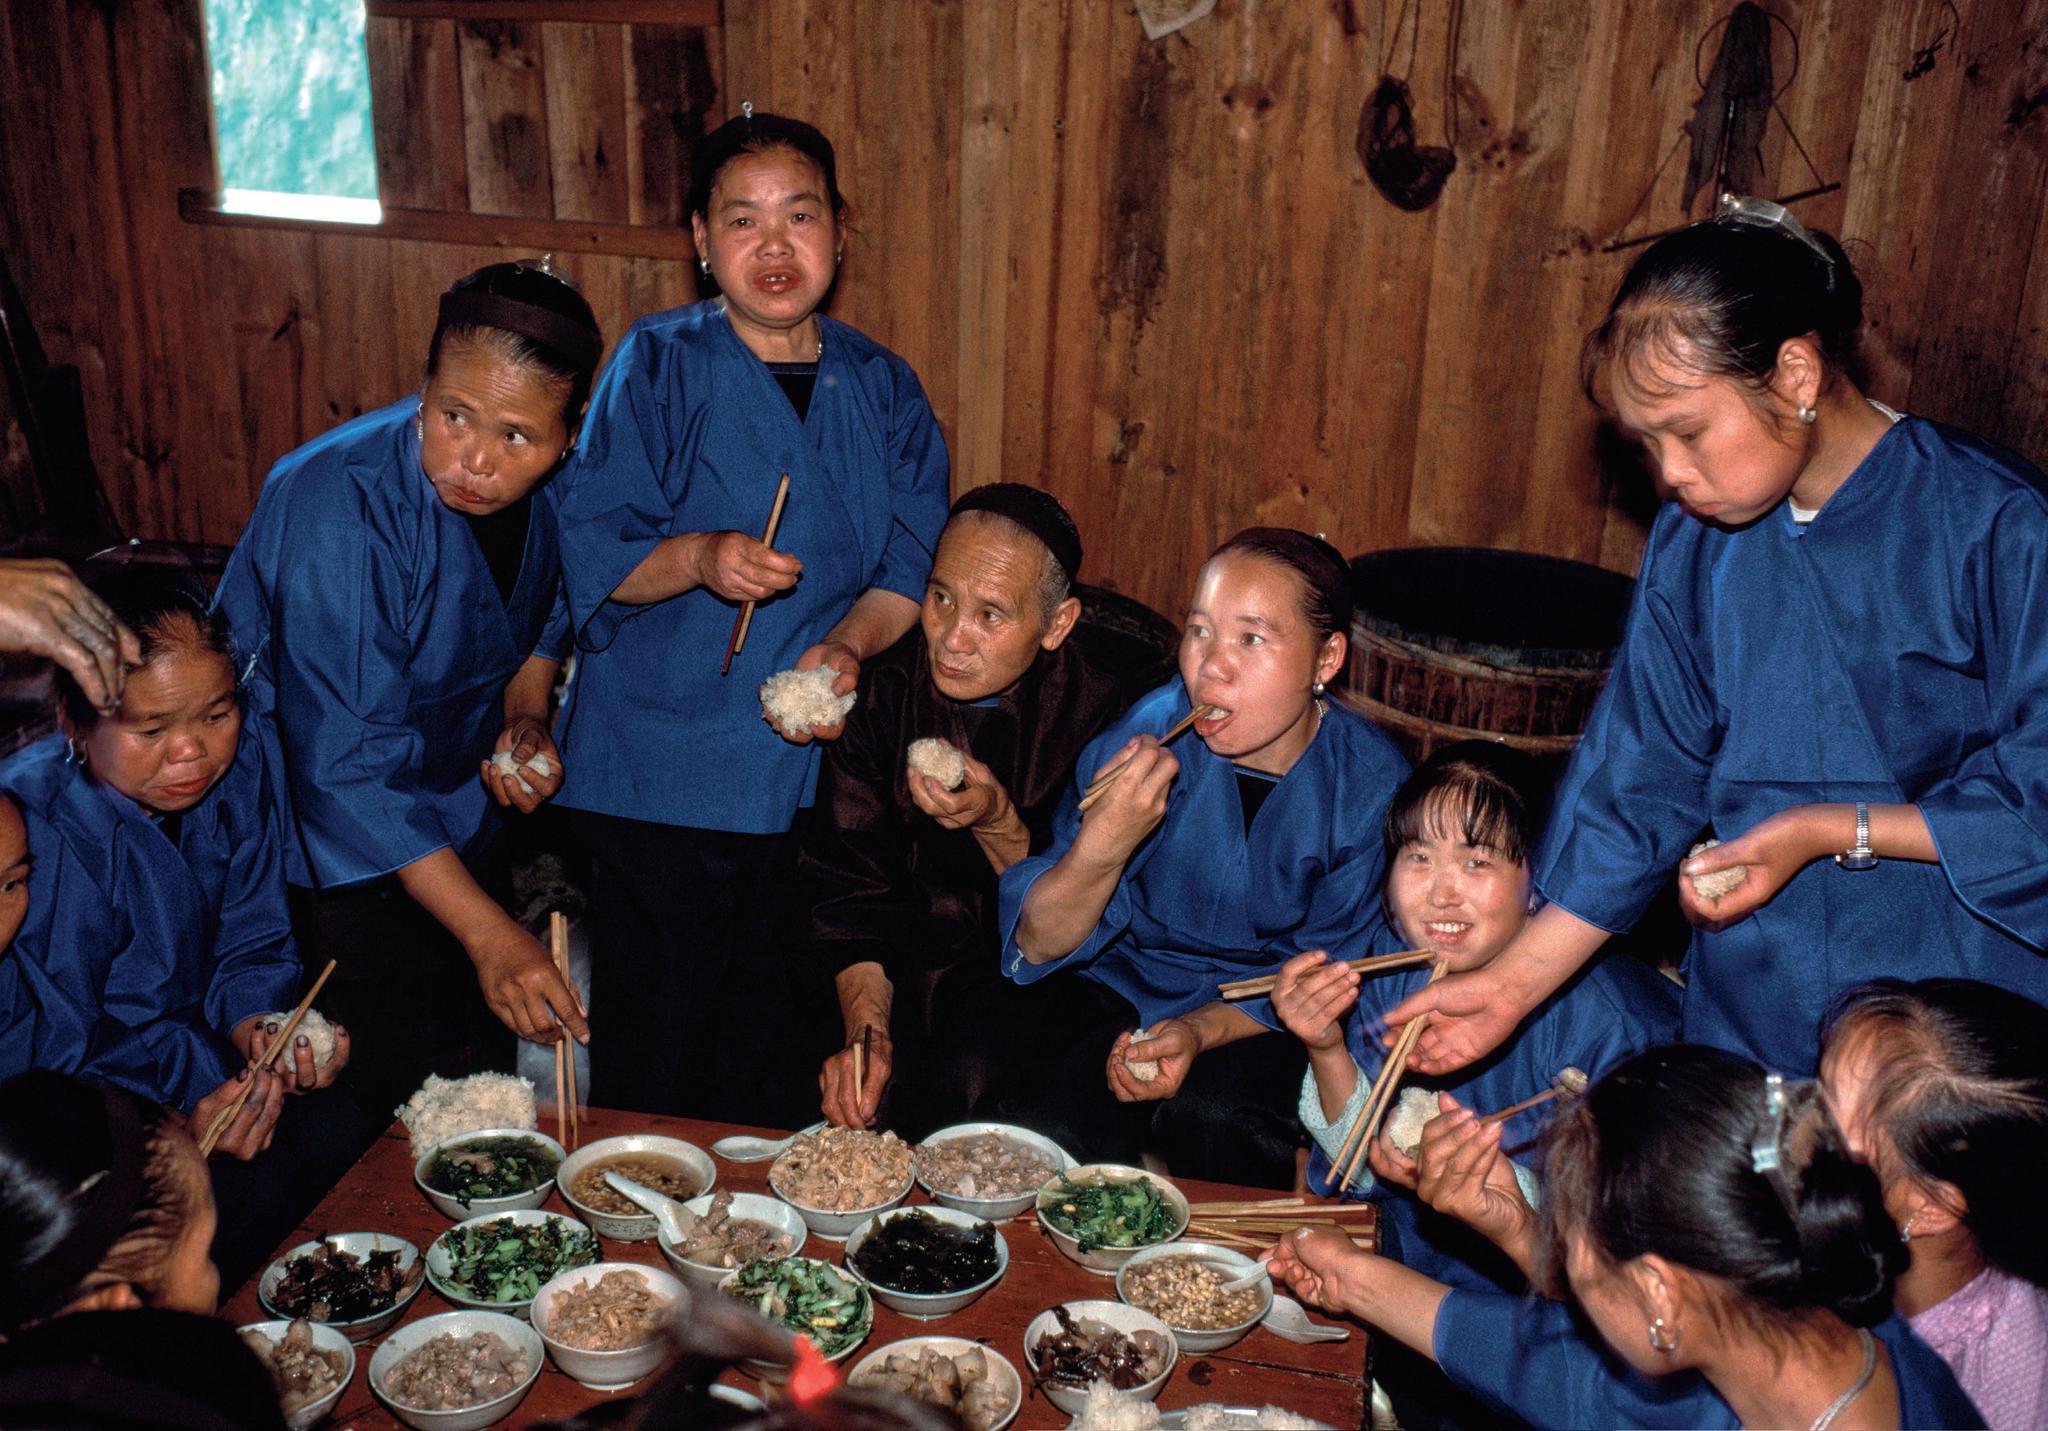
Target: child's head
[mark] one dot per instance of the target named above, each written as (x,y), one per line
(13,871)
(174,735)
(1942,1086)
(1685,1186)
(1268,626)
(104,1202)
(1458,837)
(1717,352)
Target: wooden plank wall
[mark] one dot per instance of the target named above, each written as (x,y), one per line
(1151,276)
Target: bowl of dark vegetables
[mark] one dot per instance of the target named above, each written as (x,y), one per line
(927,1262)
(489,1170)
(807,1296)
(358,1283)
(1099,1214)
(1070,1347)
(497,1264)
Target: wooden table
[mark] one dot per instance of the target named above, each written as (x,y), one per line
(1324,1379)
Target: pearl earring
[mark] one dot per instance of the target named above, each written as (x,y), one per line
(1807,413)
(1316,688)
(1663,1338)
(1906,1232)
(704,267)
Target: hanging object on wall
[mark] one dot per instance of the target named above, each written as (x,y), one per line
(1161,18)
(1738,95)
(1408,175)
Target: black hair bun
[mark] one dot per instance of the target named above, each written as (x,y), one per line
(1843,315)
(1849,1248)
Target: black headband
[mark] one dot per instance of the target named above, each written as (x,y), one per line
(106,1202)
(1039,513)
(468,308)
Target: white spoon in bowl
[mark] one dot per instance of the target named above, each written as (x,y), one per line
(677,1221)
(740,1148)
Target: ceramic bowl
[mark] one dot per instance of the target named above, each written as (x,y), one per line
(360,1244)
(1231,1264)
(1000,1369)
(454,1210)
(864,1321)
(993,1209)
(1116,1315)
(441,1262)
(1105,1260)
(838,1226)
(325,1338)
(635,1226)
(401,1344)
(926,1306)
(605,1370)
(756,1207)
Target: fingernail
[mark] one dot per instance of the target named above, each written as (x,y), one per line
(243,1076)
(305,1042)
(1691,867)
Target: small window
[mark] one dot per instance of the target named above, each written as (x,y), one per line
(291,105)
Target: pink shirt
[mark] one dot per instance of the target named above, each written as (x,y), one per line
(1993,1333)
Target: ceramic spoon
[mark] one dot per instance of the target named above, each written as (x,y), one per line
(1289,1321)
(743,1149)
(677,1222)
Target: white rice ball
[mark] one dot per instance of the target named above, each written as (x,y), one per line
(798,702)
(1145,1070)
(1404,1129)
(1713,886)
(445,1107)
(508,765)
(1107,1409)
(940,760)
(314,1028)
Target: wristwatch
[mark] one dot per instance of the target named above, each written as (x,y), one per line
(1860,856)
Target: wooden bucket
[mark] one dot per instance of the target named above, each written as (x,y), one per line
(1463,643)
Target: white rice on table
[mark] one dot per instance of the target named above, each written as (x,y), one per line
(1108,1409)
(442,1108)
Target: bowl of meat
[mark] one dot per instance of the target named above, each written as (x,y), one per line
(603,1325)
(458,1371)
(993,1170)
(725,1230)
(838,1178)
(310,1365)
(1072,1346)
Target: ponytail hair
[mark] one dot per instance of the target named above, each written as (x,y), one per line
(1960,1096)
(1718,299)
(1663,1155)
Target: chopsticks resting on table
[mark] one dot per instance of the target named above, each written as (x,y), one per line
(741,622)
(227,1115)
(1261,1223)
(568,1114)
(1108,777)
(1382,1096)
(1377,964)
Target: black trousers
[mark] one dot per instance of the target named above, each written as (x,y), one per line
(1234,1119)
(699,1005)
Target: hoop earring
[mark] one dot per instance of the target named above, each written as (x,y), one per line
(74,753)
(1807,413)
(419,422)
(1662,1338)
(1906,1232)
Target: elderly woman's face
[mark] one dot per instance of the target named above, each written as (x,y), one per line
(983,626)
(490,429)
(770,238)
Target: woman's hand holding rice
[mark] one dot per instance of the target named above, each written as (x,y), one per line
(1460,1170)
(531,781)
(980,805)
(304,1073)
(1173,1045)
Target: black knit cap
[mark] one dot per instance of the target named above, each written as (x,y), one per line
(1037,512)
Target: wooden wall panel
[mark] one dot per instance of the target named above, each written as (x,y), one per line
(1152,277)
(416,111)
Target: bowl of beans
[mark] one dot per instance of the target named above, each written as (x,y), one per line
(1181,1283)
(669,1166)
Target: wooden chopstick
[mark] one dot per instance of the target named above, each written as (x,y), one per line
(227,1115)
(741,622)
(860,1059)
(1108,777)
(1559,1086)
(1381,1096)
(1377,964)
(565,1051)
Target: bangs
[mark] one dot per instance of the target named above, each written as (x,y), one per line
(1461,802)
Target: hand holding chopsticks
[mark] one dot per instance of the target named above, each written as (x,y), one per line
(1377,1102)
(745,618)
(210,1137)
(1377,964)
(1107,778)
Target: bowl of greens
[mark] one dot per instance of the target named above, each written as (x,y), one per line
(807,1296)
(489,1170)
(1099,1214)
(497,1263)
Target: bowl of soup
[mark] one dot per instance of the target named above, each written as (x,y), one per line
(669,1166)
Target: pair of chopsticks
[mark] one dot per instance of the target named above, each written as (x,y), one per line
(227,1115)
(1352,1154)
(1108,777)
(1261,1223)
(1377,964)
(741,622)
(568,1113)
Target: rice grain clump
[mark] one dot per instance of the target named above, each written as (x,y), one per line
(1145,1070)
(507,764)
(444,1107)
(1108,1409)
(1404,1129)
(940,760)
(314,1028)
(798,702)
(1713,886)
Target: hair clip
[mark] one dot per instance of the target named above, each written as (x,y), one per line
(1767,1147)
(747,110)
(545,265)
(1764,214)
